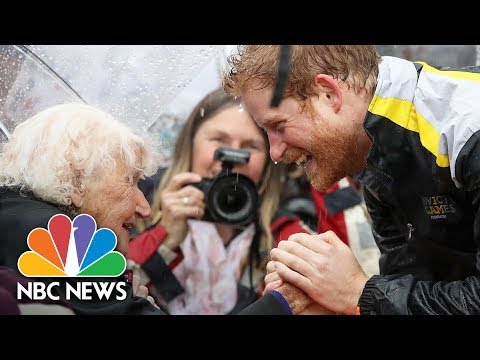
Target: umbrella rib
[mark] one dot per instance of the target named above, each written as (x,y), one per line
(5,130)
(27,50)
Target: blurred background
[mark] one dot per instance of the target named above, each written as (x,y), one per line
(152,88)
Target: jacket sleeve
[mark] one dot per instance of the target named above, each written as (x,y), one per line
(154,262)
(388,293)
(271,304)
(401,293)
(393,238)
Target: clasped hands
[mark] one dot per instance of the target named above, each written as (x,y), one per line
(316,274)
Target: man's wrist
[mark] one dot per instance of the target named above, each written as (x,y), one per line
(359,286)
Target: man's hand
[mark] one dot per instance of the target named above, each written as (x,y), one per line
(322,266)
(316,309)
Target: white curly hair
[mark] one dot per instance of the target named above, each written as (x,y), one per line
(61,148)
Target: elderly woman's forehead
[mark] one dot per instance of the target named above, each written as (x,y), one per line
(121,169)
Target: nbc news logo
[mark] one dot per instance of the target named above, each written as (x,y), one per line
(72,249)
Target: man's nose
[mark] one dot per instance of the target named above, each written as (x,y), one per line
(277,146)
(143,207)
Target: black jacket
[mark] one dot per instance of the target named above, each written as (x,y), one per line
(422,189)
(21,214)
(18,216)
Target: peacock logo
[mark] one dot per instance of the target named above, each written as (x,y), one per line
(71,249)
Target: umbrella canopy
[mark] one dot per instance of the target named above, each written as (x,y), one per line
(137,84)
(151,88)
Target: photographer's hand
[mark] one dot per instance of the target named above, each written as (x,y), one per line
(179,203)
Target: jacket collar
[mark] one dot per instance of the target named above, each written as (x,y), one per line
(396,81)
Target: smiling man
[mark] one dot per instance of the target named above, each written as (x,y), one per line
(409,133)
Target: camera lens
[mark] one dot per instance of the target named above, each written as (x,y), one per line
(233,199)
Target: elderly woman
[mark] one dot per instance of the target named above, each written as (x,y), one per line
(75,159)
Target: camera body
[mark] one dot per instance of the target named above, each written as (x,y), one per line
(230,198)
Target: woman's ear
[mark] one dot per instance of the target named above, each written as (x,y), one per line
(328,91)
(77,198)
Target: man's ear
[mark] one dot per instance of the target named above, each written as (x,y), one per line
(77,198)
(328,91)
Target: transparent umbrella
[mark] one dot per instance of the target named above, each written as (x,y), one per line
(141,85)
(152,88)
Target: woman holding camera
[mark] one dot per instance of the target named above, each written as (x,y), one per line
(199,267)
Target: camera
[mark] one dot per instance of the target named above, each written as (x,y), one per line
(230,198)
